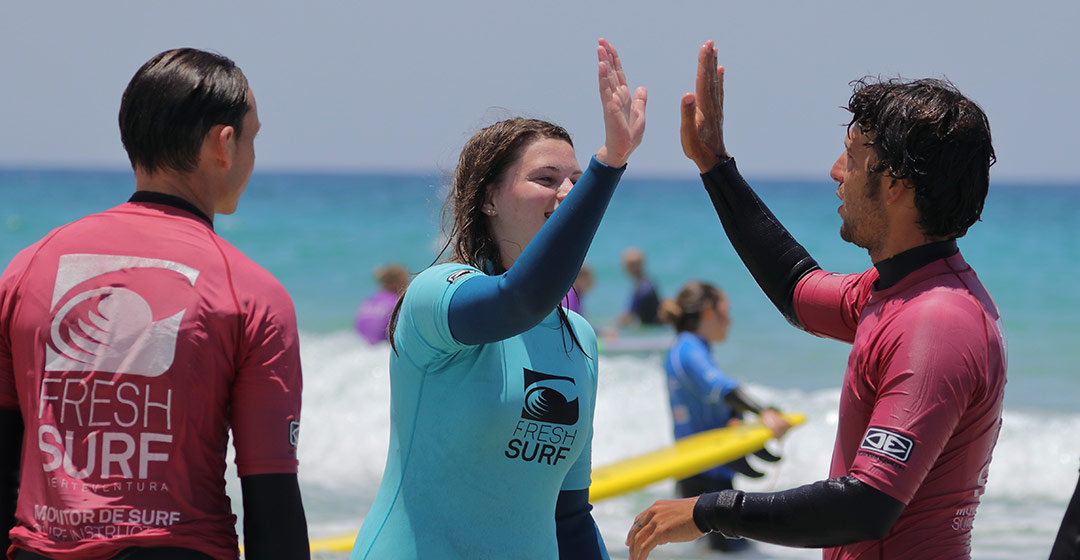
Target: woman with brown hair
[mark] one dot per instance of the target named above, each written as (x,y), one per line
(492,383)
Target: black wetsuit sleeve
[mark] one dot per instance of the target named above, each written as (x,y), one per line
(574,526)
(772,255)
(829,513)
(490,308)
(1067,543)
(11,433)
(741,402)
(274,521)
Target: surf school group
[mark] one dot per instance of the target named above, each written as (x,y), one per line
(134,341)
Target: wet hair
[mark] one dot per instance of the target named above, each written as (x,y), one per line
(684,312)
(482,166)
(173,101)
(927,132)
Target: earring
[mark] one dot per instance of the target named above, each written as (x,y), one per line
(490,211)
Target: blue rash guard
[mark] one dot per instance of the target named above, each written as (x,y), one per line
(696,388)
(492,406)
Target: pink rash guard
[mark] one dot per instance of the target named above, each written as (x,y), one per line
(920,408)
(131,341)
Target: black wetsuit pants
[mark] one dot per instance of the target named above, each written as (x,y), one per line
(1067,544)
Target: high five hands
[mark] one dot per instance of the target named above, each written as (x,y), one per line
(624,116)
(702,135)
(702,129)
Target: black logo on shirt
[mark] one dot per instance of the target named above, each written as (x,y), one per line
(887,443)
(550,398)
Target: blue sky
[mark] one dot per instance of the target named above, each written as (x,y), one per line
(399,86)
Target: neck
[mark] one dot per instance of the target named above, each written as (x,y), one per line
(892,270)
(187,186)
(903,234)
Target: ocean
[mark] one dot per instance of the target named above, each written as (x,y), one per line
(322,235)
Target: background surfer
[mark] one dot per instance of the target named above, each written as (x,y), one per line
(702,396)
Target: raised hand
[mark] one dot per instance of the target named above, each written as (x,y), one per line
(624,116)
(665,521)
(702,130)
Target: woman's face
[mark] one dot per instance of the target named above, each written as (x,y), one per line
(715,321)
(528,193)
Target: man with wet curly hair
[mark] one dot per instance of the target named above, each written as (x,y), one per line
(920,407)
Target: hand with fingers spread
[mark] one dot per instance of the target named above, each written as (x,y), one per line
(664,522)
(624,116)
(702,130)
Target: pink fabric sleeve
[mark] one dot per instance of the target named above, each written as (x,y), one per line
(265,412)
(829,304)
(929,360)
(9,396)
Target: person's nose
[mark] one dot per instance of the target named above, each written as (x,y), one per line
(837,172)
(564,189)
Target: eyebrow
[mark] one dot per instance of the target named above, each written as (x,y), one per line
(557,169)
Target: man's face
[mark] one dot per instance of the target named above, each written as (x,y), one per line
(243,160)
(862,209)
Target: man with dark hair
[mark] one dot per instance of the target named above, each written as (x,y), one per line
(920,408)
(133,340)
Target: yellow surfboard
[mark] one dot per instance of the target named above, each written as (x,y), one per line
(688,456)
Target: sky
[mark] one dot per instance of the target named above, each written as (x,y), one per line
(398,86)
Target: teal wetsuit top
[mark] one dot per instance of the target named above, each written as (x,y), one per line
(486,462)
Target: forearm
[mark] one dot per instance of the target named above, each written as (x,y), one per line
(11,432)
(769,252)
(274,521)
(498,307)
(741,402)
(828,513)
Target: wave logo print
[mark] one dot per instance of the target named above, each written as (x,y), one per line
(100,326)
(550,398)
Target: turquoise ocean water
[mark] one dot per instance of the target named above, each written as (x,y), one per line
(322,235)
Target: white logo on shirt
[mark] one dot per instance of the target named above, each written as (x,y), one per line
(887,443)
(108,328)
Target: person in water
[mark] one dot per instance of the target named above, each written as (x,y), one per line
(920,406)
(373,316)
(644,304)
(134,340)
(582,285)
(702,396)
(493,384)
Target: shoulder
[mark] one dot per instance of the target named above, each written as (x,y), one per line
(944,305)
(448,273)
(439,282)
(689,348)
(248,278)
(584,331)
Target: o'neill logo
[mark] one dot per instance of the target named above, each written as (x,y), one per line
(550,398)
(887,443)
(100,323)
(294,432)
